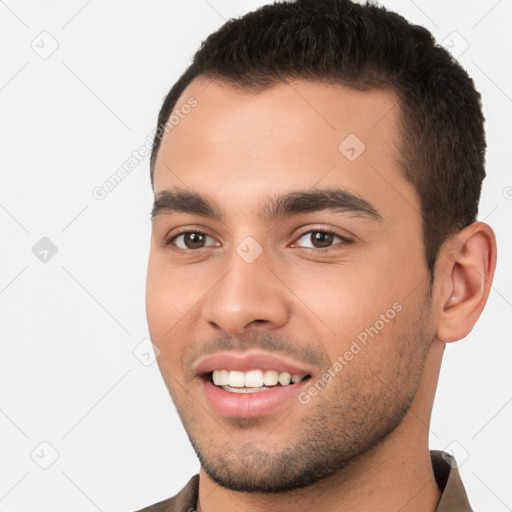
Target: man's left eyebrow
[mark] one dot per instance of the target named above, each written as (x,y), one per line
(337,200)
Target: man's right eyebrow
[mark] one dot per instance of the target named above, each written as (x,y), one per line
(178,200)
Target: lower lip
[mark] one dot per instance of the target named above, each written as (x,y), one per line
(250,405)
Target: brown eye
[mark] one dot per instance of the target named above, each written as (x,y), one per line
(319,239)
(192,240)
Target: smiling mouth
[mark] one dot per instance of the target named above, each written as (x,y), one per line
(253,381)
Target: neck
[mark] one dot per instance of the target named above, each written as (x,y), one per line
(394,475)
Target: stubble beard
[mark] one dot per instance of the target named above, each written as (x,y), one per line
(355,412)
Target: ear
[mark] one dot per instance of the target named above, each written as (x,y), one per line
(466,268)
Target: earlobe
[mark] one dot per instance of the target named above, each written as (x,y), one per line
(467,279)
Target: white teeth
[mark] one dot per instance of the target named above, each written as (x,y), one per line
(271,378)
(243,390)
(253,378)
(221,377)
(236,379)
(285,378)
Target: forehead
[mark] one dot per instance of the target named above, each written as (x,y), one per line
(299,134)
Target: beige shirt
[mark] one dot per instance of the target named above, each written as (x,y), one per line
(453,497)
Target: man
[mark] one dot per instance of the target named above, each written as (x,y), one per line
(317,171)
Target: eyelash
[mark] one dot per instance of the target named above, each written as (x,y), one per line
(345,240)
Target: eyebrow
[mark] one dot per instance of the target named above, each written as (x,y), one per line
(292,203)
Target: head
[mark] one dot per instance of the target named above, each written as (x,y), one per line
(442,140)
(317,171)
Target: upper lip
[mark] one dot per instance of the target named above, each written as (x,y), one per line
(245,361)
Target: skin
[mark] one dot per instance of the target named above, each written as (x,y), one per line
(362,442)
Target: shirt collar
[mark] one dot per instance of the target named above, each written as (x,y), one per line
(453,498)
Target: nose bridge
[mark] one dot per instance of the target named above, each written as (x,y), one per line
(248,292)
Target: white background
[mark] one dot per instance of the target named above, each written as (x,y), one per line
(68,327)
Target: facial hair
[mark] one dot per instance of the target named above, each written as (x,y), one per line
(351,415)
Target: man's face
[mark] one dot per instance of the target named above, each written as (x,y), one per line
(310,262)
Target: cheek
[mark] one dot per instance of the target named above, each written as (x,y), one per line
(173,296)
(343,299)
(170,292)
(157,299)
(161,318)
(362,302)
(164,305)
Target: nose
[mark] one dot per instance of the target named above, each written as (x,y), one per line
(248,296)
